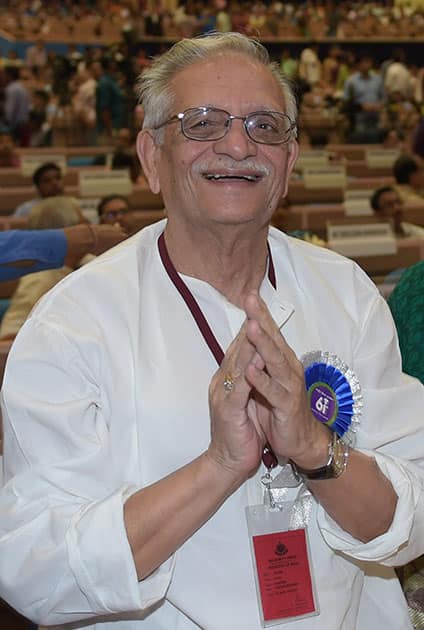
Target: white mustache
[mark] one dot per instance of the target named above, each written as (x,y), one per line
(248,167)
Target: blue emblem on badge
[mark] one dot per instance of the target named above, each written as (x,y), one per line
(334,393)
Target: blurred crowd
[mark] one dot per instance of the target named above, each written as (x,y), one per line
(173,18)
(87,95)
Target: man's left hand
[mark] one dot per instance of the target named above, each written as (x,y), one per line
(286,419)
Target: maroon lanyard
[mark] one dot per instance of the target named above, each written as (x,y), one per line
(192,305)
(268,457)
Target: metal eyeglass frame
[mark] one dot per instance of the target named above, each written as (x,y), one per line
(204,109)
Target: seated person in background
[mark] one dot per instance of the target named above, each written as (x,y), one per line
(399,113)
(409,175)
(27,251)
(9,157)
(387,204)
(48,214)
(115,210)
(392,138)
(48,179)
(40,119)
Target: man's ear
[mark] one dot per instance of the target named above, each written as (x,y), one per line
(147,152)
(292,154)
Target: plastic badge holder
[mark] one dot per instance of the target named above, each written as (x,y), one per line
(282,565)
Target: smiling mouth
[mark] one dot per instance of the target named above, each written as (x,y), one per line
(246,178)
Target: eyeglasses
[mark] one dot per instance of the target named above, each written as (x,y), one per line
(211,123)
(113,214)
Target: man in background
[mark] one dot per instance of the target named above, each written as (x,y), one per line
(17,104)
(387,204)
(109,102)
(408,172)
(363,100)
(48,180)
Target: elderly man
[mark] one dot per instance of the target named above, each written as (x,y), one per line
(142,429)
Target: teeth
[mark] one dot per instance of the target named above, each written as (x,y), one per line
(249,178)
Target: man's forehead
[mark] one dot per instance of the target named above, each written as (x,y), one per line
(226,79)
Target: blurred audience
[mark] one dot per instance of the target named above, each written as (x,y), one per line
(170,18)
(325,69)
(324,73)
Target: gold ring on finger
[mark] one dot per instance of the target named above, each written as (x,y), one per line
(228,383)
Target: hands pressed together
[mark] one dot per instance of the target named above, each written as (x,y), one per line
(266,401)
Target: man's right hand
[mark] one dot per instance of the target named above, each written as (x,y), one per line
(237,439)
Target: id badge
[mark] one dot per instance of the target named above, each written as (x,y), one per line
(282,565)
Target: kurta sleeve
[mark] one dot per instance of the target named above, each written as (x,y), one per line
(392,431)
(64,552)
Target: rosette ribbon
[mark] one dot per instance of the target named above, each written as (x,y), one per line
(334,393)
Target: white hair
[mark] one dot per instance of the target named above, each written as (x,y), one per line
(54,212)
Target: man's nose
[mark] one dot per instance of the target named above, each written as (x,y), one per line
(236,142)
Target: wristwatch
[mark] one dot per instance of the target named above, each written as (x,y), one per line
(338,453)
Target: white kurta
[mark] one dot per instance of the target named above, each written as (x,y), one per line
(106,391)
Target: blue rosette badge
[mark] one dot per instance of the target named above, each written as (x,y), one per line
(334,393)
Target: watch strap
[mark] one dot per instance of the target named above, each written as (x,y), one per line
(338,453)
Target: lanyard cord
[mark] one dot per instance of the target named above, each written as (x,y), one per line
(268,457)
